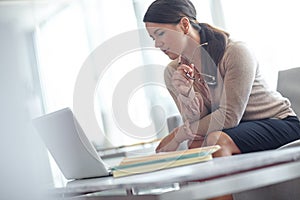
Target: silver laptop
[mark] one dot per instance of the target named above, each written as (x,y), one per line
(74,154)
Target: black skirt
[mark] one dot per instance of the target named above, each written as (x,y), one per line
(265,134)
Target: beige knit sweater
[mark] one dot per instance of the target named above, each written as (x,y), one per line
(240,95)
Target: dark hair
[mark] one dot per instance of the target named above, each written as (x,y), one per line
(171,12)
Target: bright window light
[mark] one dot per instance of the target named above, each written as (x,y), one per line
(62,48)
(269,28)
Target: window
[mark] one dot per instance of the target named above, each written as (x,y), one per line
(269,28)
(62,47)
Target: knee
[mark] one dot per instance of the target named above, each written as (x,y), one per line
(228,147)
(216,138)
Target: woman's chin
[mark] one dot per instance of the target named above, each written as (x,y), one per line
(172,56)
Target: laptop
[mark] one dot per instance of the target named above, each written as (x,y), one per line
(66,141)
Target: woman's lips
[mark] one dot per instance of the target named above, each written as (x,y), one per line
(165,51)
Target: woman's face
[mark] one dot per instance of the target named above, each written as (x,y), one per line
(169,38)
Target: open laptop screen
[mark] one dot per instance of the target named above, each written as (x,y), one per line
(69,146)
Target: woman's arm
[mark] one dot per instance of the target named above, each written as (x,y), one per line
(189,103)
(239,69)
(191,107)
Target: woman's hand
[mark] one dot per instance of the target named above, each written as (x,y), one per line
(168,143)
(196,143)
(177,136)
(180,79)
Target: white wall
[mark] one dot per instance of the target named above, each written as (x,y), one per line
(24,167)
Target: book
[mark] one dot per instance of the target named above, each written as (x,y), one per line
(164,160)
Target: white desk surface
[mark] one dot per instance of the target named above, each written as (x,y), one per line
(228,174)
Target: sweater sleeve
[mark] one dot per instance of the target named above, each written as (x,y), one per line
(239,70)
(191,106)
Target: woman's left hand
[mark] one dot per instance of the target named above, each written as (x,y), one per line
(196,143)
(168,143)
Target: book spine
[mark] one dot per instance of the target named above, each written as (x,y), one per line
(164,160)
(158,166)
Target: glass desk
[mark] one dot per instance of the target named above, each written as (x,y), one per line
(220,176)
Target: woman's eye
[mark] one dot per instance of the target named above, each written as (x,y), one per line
(161,33)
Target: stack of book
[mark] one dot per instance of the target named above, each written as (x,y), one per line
(150,163)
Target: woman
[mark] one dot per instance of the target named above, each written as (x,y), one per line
(217,86)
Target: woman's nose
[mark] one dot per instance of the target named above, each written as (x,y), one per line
(158,43)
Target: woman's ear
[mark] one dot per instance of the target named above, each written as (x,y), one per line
(185,24)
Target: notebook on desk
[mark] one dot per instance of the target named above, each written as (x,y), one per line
(77,158)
